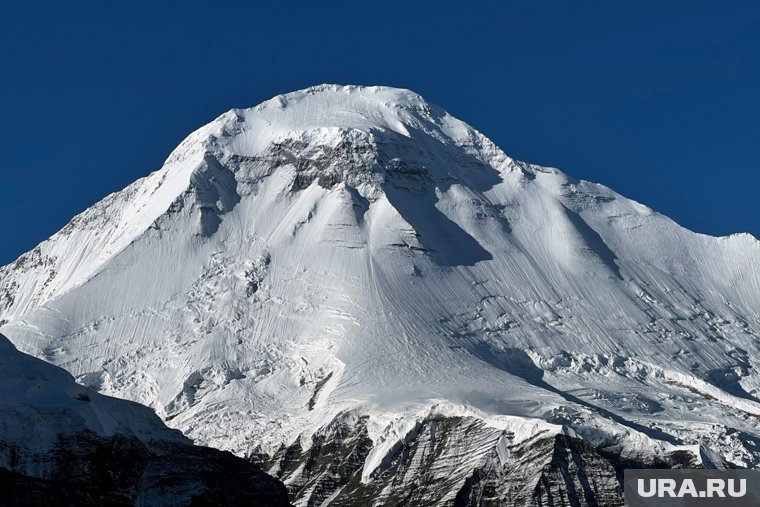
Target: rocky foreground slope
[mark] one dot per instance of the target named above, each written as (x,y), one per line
(364,293)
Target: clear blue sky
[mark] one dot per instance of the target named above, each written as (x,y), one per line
(658,100)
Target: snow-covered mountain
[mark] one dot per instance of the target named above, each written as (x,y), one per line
(366,293)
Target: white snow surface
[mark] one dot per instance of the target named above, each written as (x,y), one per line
(357,248)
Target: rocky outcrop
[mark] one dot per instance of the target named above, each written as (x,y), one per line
(557,470)
(457,461)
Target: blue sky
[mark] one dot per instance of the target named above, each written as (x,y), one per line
(658,100)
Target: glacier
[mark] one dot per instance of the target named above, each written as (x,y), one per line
(367,295)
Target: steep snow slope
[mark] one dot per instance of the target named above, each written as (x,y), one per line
(64,444)
(350,252)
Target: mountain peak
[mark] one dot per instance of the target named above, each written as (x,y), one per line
(368,139)
(325,114)
(347,107)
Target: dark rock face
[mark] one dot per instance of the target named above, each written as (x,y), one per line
(455,461)
(573,473)
(333,462)
(88,470)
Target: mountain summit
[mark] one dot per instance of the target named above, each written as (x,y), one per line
(365,293)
